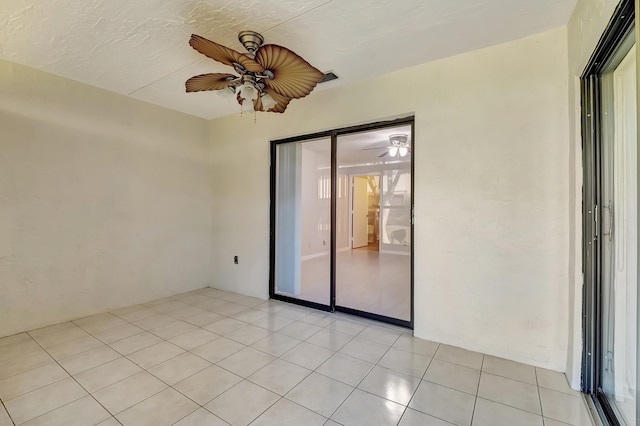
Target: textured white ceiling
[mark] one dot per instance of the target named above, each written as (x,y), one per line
(140,48)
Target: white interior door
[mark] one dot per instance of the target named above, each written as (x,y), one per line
(360,221)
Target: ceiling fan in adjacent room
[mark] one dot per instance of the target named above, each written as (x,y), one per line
(399,146)
(270,76)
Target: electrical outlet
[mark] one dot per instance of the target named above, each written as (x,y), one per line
(235,259)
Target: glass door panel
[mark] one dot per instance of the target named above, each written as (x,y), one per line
(610,222)
(373,221)
(619,239)
(303,220)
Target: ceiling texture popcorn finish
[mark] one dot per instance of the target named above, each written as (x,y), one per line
(138,48)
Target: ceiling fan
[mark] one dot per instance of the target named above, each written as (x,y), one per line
(270,76)
(399,146)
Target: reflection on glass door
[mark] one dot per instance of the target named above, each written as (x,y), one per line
(619,239)
(396,211)
(303,220)
(373,259)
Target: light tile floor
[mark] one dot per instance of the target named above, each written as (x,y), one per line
(210,357)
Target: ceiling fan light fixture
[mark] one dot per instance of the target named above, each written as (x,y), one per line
(266,70)
(227,94)
(393,151)
(267,101)
(403,150)
(247,91)
(399,140)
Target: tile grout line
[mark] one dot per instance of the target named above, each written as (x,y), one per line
(39,387)
(535,370)
(7,411)
(508,405)
(273,332)
(243,380)
(213,364)
(148,331)
(123,356)
(281,397)
(29,370)
(376,364)
(475,401)
(74,379)
(423,379)
(147,370)
(72,340)
(361,380)
(432,358)
(199,407)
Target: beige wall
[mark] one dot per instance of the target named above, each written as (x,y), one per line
(586,26)
(105,201)
(492,218)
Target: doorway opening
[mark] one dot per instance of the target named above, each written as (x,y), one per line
(341,221)
(365,212)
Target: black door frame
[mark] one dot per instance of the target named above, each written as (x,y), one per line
(618,30)
(333,134)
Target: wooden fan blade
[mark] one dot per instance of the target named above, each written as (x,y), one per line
(212,81)
(384,154)
(293,76)
(281,102)
(223,54)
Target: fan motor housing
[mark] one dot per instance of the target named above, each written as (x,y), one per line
(399,140)
(251,40)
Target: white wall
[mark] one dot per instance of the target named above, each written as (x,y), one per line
(586,26)
(492,220)
(105,201)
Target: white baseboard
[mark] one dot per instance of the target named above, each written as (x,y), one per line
(315,255)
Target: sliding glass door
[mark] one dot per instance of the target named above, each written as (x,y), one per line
(373,260)
(610,246)
(341,227)
(619,238)
(303,220)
